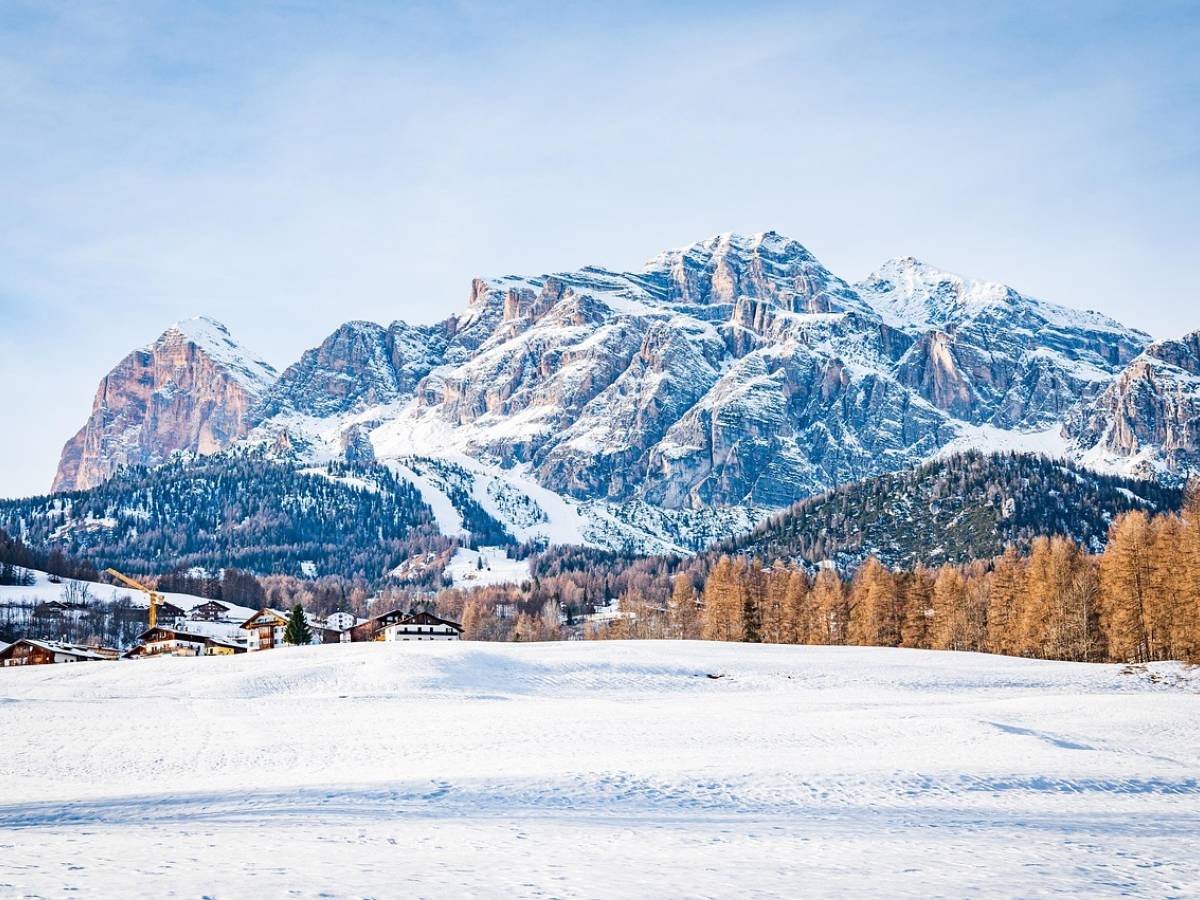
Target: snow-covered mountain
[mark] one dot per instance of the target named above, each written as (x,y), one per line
(192,389)
(725,379)
(1147,420)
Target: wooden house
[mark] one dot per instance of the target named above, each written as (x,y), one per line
(209,611)
(160,641)
(405,625)
(422,626)
(30,652)
(267,627)
(57,609)
(169,612)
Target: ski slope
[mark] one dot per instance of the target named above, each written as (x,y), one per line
(599,770)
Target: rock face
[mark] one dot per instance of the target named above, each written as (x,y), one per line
(192,389)
(989,355)
(1149,417)
(736,372)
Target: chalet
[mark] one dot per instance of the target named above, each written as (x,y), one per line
(209,611)
(30,652)
(422,626)
(405,625)
(169,612)
(267,627)
(161,641)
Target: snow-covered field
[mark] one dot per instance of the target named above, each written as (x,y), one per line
(596,770)
(486,566)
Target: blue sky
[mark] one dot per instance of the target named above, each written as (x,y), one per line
(284,167)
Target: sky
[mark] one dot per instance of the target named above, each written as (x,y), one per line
(284,167)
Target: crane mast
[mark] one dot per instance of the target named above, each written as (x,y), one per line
(152,595)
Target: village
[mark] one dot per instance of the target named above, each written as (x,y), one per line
(217,628)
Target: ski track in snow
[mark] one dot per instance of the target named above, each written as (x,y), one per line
(605,769)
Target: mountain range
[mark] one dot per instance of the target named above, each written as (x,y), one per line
(670,407)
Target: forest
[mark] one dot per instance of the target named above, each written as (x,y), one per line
(239,510)
(1136,601)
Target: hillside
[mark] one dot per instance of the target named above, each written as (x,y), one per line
(964,507)
(672,768)
(235,509)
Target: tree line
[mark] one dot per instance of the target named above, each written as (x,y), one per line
(1136,601)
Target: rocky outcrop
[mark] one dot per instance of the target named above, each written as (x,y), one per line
(988,354)
(1149,416)
(192,389)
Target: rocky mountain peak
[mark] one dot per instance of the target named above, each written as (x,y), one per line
(216,342)
(736,373)
(192,389)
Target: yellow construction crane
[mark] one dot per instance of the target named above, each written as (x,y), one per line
(154,596)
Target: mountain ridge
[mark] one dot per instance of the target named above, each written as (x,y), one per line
(733,372)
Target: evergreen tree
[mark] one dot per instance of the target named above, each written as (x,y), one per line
(297,631)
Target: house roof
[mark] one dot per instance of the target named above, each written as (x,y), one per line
(282,617)
(175,634)
(411,618)
(76,650)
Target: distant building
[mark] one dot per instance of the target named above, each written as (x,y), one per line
(398,625)
(265,629)
(173,642)
(29,652)
(341,621)
(209,611)
(267,626)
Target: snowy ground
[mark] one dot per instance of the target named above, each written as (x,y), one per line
(44,590)
(598,770)
(486,566)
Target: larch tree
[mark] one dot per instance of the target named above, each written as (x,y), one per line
(724,603)
(682,616)
(800,622)
(948,630)
(918,607)
(875,614)
(772,615)
(1124,587)
(830,606)
(1004,603)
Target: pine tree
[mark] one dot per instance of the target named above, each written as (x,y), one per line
(297,631)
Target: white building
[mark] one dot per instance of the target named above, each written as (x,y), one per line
(341,621)
(421,626)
